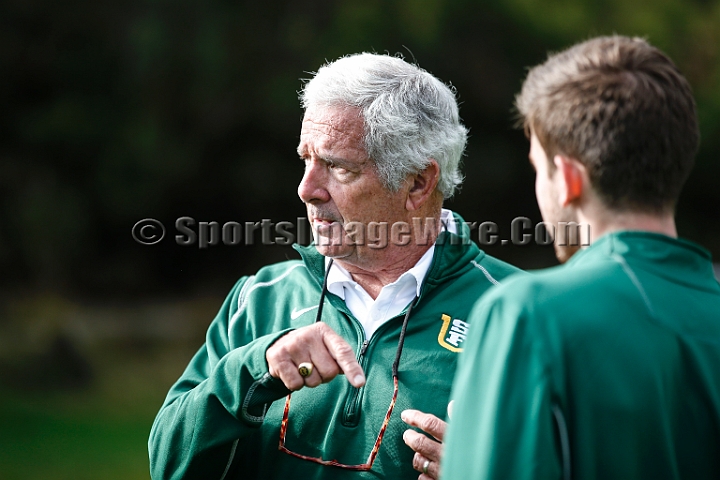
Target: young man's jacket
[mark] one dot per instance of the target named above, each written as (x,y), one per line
(221,419)
(607,367)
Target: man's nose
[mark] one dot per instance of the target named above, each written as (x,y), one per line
(312,187)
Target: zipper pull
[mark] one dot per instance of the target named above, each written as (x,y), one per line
(363,348)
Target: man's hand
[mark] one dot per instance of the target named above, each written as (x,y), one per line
(318,344)
(426,449)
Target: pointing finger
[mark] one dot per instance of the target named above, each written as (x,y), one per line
(345,357)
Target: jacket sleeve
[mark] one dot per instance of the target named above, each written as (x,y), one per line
(503,424)
(219,400)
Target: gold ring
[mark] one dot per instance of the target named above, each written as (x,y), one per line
(305,369)
(425,465)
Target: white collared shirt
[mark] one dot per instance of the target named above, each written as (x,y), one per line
(393,297)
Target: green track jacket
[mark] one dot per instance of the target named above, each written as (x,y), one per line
(221,419)
(607,367)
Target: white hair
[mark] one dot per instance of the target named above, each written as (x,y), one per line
(410,116)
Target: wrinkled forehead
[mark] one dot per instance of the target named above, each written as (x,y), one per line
(331,128)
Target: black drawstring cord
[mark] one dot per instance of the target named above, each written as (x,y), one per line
(396,363)
(322,293)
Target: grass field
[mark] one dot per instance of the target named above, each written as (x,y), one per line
(43,438)
(95,429)
(98,432)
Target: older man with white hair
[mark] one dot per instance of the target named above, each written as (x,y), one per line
(381,297)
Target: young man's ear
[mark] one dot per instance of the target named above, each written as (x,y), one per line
(571,177)
(423,186)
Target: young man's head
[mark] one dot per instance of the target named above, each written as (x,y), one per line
(621,108)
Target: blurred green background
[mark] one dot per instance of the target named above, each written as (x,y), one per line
(117,111)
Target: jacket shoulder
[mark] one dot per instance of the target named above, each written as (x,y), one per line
(494,268)
(280,268)
(556,287)
(276,274)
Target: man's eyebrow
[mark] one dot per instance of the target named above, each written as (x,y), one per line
(325,158)
(336,160)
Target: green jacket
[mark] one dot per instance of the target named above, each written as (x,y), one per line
(607,367)
(221,419)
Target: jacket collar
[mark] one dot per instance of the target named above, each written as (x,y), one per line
(453,253)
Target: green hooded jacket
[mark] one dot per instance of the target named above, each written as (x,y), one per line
(221,419)
(607,367)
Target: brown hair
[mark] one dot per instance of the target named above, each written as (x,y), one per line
(622,108)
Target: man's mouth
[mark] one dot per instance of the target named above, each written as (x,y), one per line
(323,219)
(326,226)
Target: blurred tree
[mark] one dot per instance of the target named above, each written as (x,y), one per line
(117,112)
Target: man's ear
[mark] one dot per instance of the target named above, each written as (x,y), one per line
(423,186)
(571,178)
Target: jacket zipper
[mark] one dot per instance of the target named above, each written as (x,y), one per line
(363,349)
(353,404)
(351,414)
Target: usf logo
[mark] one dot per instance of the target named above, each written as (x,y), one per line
(452,333)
